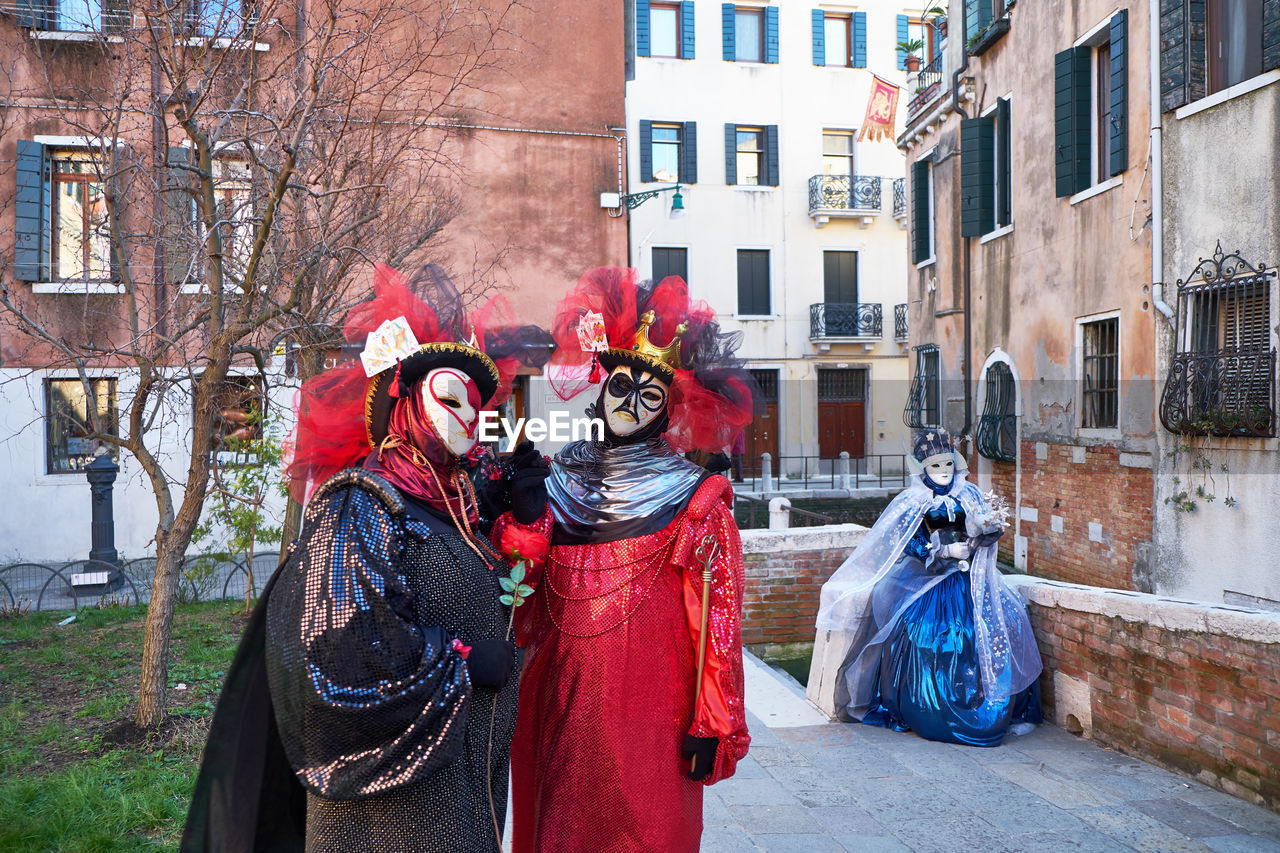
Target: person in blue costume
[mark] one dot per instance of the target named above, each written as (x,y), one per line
(939,644)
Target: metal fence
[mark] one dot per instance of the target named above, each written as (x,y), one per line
(202,577)
(787,473)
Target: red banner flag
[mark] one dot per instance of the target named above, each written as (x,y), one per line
(882,107)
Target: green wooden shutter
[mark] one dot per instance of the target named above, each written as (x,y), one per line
(920,248)
(771,34)
(1118,133)
(687,41)
(729,31)
(642,27)
(1197,49)
(181,232)
(771,155)
(646,151)
(689,153)
(1071,106)
(819,37)
(31,213)
(1173,54)
(903,35)
(977,176)
(1270,34)
(1004,180)
(859,40)
(731,154)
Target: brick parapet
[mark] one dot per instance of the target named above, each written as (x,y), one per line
(1192,687)
(785,570)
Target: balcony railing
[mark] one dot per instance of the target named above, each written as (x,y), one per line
(846,320)
(899,198)
(854,193)
(928,83)
(75,16)
(1227,393)
(900,322)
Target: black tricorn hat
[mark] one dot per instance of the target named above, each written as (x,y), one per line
(469,359)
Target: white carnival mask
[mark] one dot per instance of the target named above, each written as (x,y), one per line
(633,398)
(940,469)
(452,403)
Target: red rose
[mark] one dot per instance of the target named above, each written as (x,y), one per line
(522,544)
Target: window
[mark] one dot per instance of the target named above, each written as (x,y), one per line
(69,426)
(216,17)
(837,152)
(665,29)
(924,399)
(839,40)
(840,277)
(1234,42)
(753,282)
(668,152)
(997,428)
(81,244)
(985,172)
(232,189)
(239,406)
(922,211)
(667,261)
(79,16)
(750,33)
(751,155)
(1100,369)
(835,29)
(1221,376)
(923,32)
(1091,127)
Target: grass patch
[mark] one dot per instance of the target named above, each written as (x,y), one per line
(76,774)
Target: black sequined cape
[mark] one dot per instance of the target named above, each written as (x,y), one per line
(347,722)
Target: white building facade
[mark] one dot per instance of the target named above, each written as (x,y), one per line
(791,228)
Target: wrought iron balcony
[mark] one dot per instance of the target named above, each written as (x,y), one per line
(860,321)
(1226,393)
(899,198)
(900,322)
(928,82)
(848,196)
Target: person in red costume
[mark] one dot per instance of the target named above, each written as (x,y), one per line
(618,730)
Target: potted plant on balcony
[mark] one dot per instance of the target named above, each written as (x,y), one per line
(912,49)
(938,16)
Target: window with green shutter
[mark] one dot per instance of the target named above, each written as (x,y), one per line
(1004,164)
(753,282)
(1071,120)
(31,219)
(921,211)
(977,176)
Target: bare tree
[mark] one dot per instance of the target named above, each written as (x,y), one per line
(238,165)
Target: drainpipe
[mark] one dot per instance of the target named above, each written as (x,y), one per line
(967,372)
(1157,172)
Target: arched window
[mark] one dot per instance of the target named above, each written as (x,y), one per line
(997,429)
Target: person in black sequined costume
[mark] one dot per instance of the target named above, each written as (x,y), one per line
(372,702)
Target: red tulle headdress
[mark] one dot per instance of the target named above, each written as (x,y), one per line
(660,329)
(342,415)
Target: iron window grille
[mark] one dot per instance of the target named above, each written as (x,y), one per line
(846,320)
(900,322)
(997,428)
(767,381)
(924,399)
(1221,379)
(1099,395)
(899,198)
(842,384)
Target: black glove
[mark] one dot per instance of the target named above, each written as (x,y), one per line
(703,752)
(490,663)
(529,472)
(987,539)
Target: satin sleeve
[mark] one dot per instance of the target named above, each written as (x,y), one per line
(721,710)
(366,700)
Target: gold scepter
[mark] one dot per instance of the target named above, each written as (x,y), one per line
(708,550)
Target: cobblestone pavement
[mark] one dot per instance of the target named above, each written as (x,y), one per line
(848,787)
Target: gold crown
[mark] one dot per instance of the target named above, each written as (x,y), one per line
(668,355)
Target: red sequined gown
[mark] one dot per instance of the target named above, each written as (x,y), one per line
(607,693)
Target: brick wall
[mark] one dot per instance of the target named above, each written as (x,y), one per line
(1065,490)
(1193,687)
(785,570)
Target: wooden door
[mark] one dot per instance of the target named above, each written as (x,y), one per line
(762,433)
(842,415)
